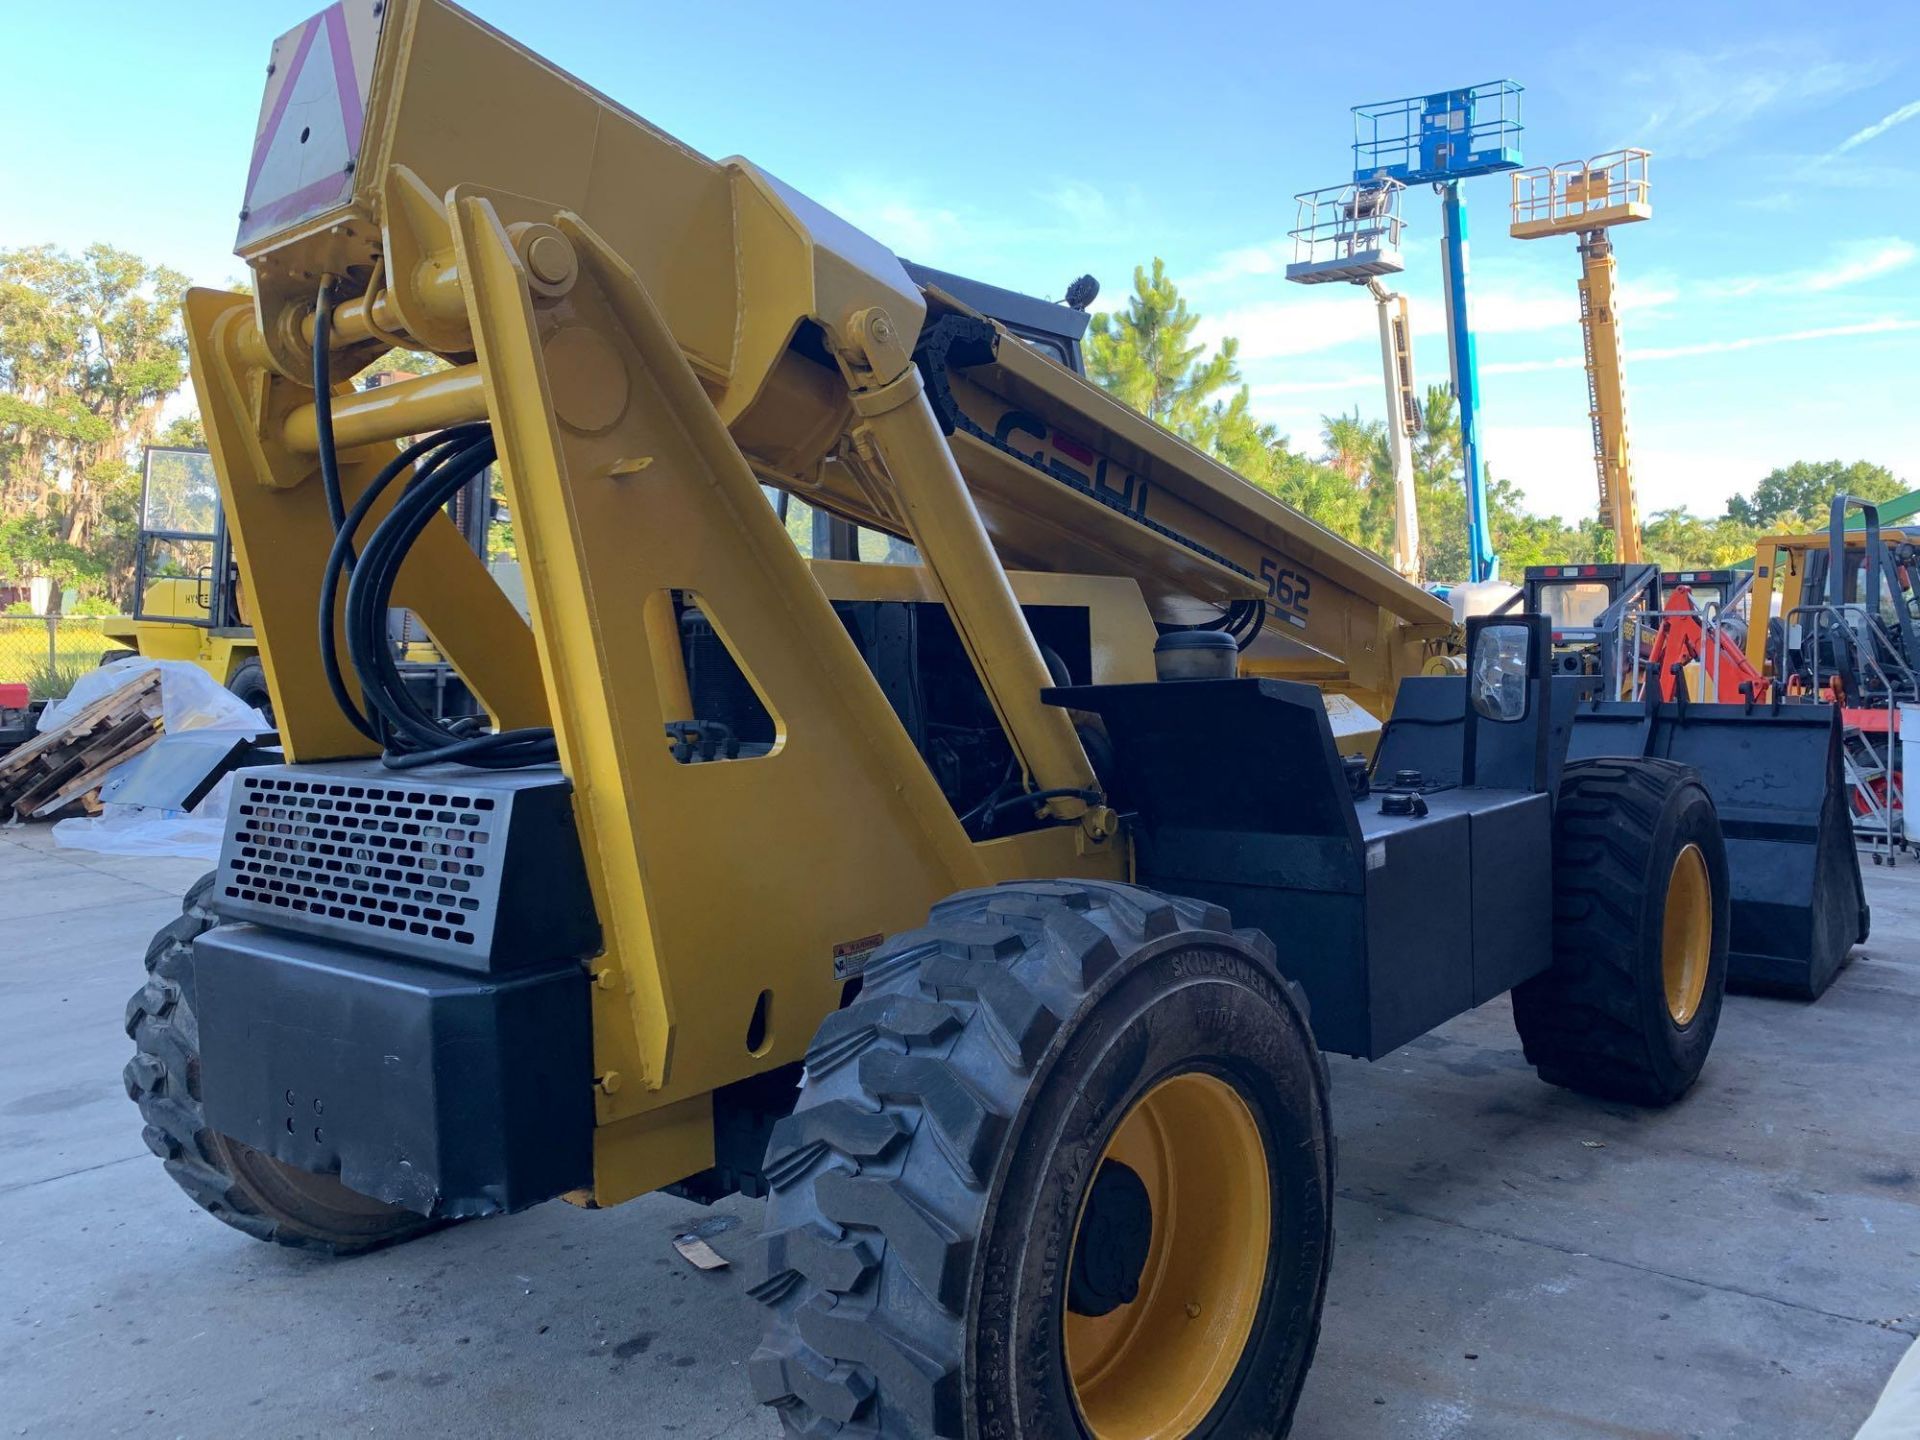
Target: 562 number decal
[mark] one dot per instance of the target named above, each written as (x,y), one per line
(1287,591)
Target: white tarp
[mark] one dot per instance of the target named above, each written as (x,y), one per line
(190,699)
(1897,1416)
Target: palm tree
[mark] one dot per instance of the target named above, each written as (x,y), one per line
(1351,443)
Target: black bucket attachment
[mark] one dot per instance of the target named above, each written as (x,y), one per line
(1775,775)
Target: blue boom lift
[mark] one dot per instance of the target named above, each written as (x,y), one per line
(1440,140)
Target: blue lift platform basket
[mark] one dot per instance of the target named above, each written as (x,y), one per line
(1433,139)
(1442,139)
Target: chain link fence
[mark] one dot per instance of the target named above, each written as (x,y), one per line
(48,653)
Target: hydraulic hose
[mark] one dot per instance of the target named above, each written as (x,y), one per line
(439,449)
(323,406)
(441,466)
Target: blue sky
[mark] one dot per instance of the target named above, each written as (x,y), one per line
(1772,305)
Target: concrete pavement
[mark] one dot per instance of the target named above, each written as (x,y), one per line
(1513,1262)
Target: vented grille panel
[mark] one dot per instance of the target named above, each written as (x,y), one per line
(392,862)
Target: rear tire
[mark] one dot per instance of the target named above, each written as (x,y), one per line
(1628,1011)
(934,1188)
(249,682)
(249,1190)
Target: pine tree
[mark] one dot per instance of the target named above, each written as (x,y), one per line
(1146,356)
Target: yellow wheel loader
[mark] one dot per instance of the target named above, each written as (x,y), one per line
(987,906)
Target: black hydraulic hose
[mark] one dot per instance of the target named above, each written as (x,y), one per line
(323,408)
(370,594)
(1243,620)
(443,447)
(442,465)
(414,736)
(1256,622)
(341,556)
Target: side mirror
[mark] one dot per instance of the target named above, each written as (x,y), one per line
(1497,672)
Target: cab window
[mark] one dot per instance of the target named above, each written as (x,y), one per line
(1575,605)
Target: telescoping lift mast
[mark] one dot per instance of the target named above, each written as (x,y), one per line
(1588,198)
(1351,233)
(1442,139)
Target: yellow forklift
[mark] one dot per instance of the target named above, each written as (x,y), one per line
(190,605)
(187,601)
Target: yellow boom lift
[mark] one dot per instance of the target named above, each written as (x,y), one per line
(897,893)
(1588,198)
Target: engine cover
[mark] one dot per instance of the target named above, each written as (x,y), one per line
(403,1001)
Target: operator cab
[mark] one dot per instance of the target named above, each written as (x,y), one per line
(1586,607)
(1055,330)
(1894,645)
(1719,597)
(1709,588)
(1903,558)
(183,565)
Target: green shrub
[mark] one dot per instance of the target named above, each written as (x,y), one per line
(52,682)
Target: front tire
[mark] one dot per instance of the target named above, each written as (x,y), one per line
(1063,1169)
(1641,917)
(249,1190)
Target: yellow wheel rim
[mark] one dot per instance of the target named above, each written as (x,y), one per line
(1155,1367)
(1686,936)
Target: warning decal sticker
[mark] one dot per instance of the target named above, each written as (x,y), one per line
(311,118)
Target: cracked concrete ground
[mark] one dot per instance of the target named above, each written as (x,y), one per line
(1513,1262)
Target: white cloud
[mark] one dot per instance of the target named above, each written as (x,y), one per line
(1552,465)
(1851,263)
(1887,325)
(1880,127)
(1835,171)
(1274,389)
(1516,310)
(1080,203)
(1248,262)
(1532,367)
(1694,103)
(995,243)
(1865,260)
(915,231)
(1294,324)
(1297,323)
(1701,479)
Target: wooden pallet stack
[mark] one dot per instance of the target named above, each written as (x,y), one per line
(65,764)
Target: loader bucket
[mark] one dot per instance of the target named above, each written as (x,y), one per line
(1775,775)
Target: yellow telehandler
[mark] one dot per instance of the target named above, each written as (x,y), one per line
(986,905)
